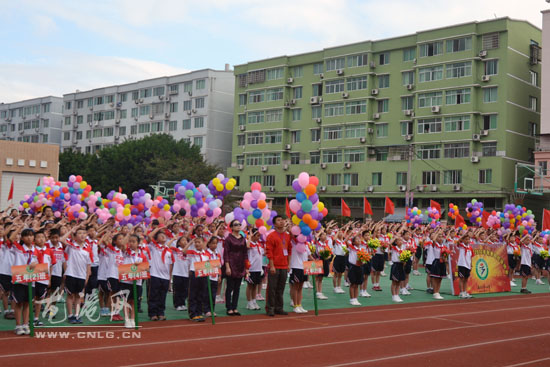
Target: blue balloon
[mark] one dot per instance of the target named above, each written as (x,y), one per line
(257,213)
(301,196)
(306,231)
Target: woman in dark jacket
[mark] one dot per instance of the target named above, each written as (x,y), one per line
(235,256)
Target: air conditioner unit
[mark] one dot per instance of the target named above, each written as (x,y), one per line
(189,113)
(272,188)
(345,187)
(264,168)
(340,72)
(190,93)
(172,92)
(194,110)
(135,101)
(372,64)
(151,116)
(371,151)
(323,188)
(419,188)
(242,127)
(485,78)
(483,53)
(293,102)
(167,115)
(321,75)
(288,147)
(240,167)
(410,86)
(285,166)
(484,132)
(402,188)
(116,138)
(112,104)
(433,188)
(370,130)
(141,100)
(167,99)
(135,118)
(37,130)
(24,117)
(318,120)
(314,100)
(347,165)
(75,113)
(457,188)
(408,137)
(376,116)
(362,140)
(370,188)
(323,165)
(408,112)
(117,121)
(161,97)
(287,104)
(436,109)
(374,92)
(290,80)
(476,137)
(345,95)
(474,159)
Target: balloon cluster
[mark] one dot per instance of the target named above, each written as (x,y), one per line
(220,186)
(545,235)
(197,202)
(474,211)
(493,220)
(254,210)
(414,217)
(518,217)
(434,215)
(453,211)
(308,210)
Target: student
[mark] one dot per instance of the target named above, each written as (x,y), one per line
(525,269)
(211,251)
(410,244)
(45,256)
(355,270)
(378,260)
(439,266)
(79,261)
(296,276)
(511,247)
(323,242)
(464,264)
(366,236)
(23,253)
(132,255)
(429,253)
(255,255)
(537,261)
(180,273)
(115,256)
(162,260)
(58,252)
(198,289)
(5,273)
(91,241)
(339,263)
(102,286)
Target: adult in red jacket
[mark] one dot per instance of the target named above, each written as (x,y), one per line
(278,250)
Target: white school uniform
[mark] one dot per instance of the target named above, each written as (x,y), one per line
(115,257)
(465,253)
(297,259)
(526,254)
(161,259)
(181,264)
(6,257)
(78,259)
(255,256)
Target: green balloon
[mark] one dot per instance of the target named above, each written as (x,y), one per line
(250,219)
(192,201)
(307,205)
(188,193)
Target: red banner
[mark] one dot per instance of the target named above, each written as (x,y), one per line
(129,272)
(489,270)
(313,267)
(207,268)
(24,273)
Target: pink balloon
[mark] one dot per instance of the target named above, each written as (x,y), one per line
(295,230)
(167,215)
(256,194)
(176,207)
(294,205)
(301,248)
(303,179)
(217,213)
(248,196)
(262,230)
(256,186)
(301,238)
(245,204)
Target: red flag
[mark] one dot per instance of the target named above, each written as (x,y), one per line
(287,208)
(38,184)
(120,189)
(545,220)
(389,207)
(10,195)
(346,211)
(459,221)
(484,216)
(435,204)
(366,207)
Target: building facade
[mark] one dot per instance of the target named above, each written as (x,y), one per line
(196,106)
(441,114)
(36,120)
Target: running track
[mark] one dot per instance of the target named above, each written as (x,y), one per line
(503,331)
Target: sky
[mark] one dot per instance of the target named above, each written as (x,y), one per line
(58,46)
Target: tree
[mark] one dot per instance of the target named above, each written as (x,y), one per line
(136,164)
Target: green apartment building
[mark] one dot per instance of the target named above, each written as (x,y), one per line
(443,114)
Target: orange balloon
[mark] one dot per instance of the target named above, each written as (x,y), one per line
(262,204)
(307,218)
(310,189)
(313,224)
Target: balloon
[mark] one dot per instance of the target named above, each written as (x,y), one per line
(310,189)
(313,180)
(256,186)
(262,204)
(307,206)
(303,179)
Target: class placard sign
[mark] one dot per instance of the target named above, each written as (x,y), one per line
(131,272)
(207,268)
(26,274)
(489,273)
(313,267)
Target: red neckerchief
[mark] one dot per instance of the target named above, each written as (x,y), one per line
(395,248)
(165,250)
(180,252)
(200,254)
(467,248)
(256,245)
(514,247)
(528,248)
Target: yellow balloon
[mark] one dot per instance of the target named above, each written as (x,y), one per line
(320,206)
(295,219)
(219,187)
(126,212)
(229,185)
(25,205)
(216,181)
(166,207)
(83,184)
(47,189)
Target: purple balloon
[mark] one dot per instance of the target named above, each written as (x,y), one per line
(254,204)
(300,213)
(296,186)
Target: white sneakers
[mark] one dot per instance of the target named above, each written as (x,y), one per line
(299,309)
(409,288)
(339,290)
(321,296)
(464,295)
(396,299)
(20,330)
(181,308)
(513,284)
(416,272)
(346,283)
(219,299)
(129,323)
(354,302)
(539,282)
(252,305)
(264,286)
(364,294)
(307,285)
(438,296)
(404,292)
(383,274)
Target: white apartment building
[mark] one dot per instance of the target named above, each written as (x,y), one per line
(36,120)
(196,106)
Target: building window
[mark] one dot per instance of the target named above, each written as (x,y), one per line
(272,159)
(255,117)
(401,178)
(297,92)
(318,68)
(459,44)
(332,133)
(543,168)
(334,86)
(269,180)
(409,54)
(430,178)
(315,135)
(457,96)
(351,179)
(133,130)
(336,63)
(122,130)
(533,102)
(174,107)
(354,155)
(316,112)
(490,41)
(274,115)
(241,140)
(489,149)
(186,124)
(199,102)
(274,94)
(407,103)
(356,107)
(381,154)
(489,122)
(457,123)
(332,156)
(431,49)
(200,84)
(357,83)
(273,137)
(407,77)
(290,179)
(297,71)
(384,58)
(296,114)
(429,126)
(452,177)
(532,129)
(254,160)
(430,99)
(534,78)
(98,133)
(377,178)
(242,99)
(188,87)
(294,158)
(67,135)
(381,130)
(383,105)
(199,122)
(333,179)
(457,150)
(315,157)
(143,93)
(491,67)
(254,138)
(429,151)
(295,136)
(407,128)
(384,81)
(256,96)
(459,70)
(198,140)
(157,126)
(143,128)
(357,60)
(490,95)
(255,179)
(430,74)
(334,109)
(485,176)
(355,131)
(274,74)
